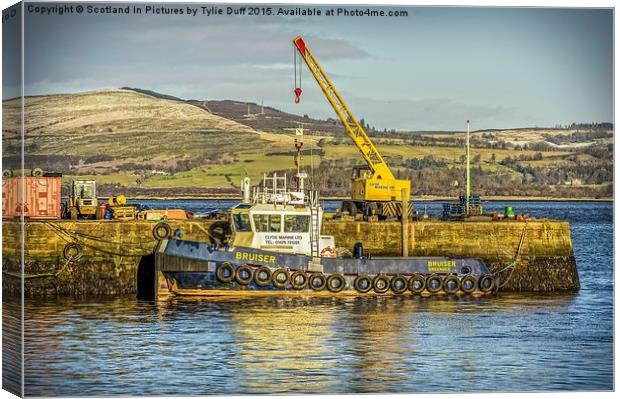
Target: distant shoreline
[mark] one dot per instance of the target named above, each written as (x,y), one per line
(415,199)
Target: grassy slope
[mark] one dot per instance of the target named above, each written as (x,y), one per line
(132,127)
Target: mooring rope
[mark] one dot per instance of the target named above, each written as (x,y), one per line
(40,275)
(512,265)
(74,238)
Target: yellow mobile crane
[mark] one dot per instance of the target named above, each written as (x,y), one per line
(374,189)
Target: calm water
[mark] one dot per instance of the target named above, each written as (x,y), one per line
(511,342)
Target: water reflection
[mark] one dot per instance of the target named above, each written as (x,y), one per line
(308,345)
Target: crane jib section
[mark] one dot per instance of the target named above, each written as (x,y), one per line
(352,126)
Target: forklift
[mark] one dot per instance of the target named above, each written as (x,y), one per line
(82,203)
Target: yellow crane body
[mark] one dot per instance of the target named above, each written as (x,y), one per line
(378,183)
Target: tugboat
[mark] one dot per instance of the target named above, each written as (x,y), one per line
(277,247)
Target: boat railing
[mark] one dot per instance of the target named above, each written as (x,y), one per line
(274,190)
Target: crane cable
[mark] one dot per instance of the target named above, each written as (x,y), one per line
(297,90)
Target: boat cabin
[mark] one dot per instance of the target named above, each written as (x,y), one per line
(280,220)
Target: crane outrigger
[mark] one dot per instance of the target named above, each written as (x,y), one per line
(374,189)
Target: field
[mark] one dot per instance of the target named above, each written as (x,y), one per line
(142,144)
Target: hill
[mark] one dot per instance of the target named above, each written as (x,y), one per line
(139,142)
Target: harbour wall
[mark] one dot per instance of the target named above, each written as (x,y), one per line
(117,253)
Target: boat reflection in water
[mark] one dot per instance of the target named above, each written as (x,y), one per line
(194,346)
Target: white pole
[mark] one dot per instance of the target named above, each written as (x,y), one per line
(468,190)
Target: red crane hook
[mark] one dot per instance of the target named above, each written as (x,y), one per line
(297,92)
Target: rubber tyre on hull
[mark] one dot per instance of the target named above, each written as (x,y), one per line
(357,283)
(451,285)
(468,284)
(295,277)
(317,277)
(434,288)
(262,276)
(381,283)
(225,273)
(486,283)
(399,288)
(244,275)
(277,282)
(337,278)
(417,283)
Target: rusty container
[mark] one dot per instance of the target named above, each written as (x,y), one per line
(41,197)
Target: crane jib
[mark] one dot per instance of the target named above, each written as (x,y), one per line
(390,188)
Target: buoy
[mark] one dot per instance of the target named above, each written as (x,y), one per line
(317,281)
(433,284)
(244,275)
(381,283)
(417,283)
(225,272)
(280,278)
(262,276)
(336,282)
(468,284)
(362,283)
(399,284)
(299,280)
(451,284)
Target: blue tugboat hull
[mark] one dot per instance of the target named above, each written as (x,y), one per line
(195,268)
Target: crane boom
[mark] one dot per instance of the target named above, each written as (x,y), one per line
(352,126)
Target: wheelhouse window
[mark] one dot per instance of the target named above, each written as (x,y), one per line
(296,223)
(267,223)
(242,222)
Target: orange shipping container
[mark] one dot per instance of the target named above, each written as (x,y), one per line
(41,197)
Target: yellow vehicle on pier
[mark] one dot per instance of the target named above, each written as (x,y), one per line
(374,189)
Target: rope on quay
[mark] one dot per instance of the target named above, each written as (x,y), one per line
(512,265)
(40,275)
(72,237)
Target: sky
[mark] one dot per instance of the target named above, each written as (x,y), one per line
(431,70)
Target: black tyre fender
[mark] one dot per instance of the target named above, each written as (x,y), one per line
(72,251)
(451,284)
(358,281)
(342,283)
(468,284)
(350,207)
(36,172)
(403,285)
(486,283)
(225,273)
(295,277)
(381,283)
(262,276)
(280,283)
(240,278)
(417,283)
(429,285)
(320,277)
(161,231)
